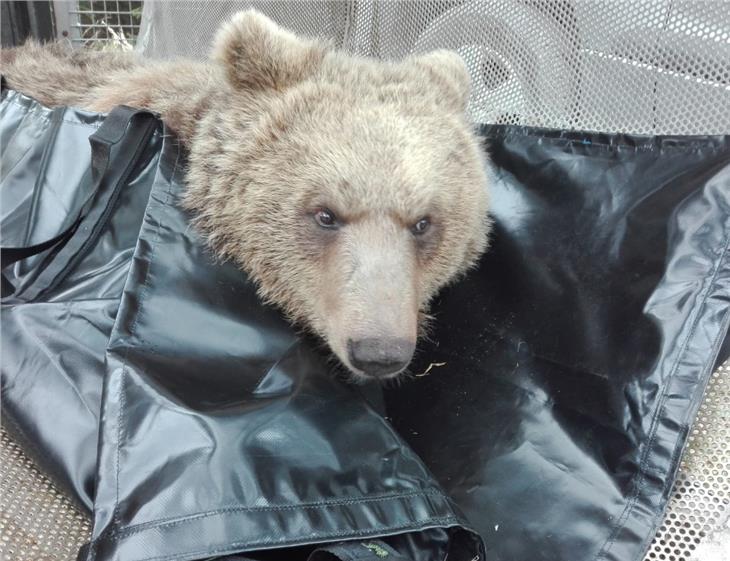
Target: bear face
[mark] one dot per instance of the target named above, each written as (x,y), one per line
(350,190)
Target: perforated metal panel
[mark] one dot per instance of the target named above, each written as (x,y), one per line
(186,28)
(646,67)
(37,523)
(697,522)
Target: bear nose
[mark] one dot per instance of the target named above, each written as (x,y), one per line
(380,356)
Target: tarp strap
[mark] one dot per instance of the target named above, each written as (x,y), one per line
(120,139)
(11,255)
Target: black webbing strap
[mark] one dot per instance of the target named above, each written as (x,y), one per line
(11,255)
(115,150)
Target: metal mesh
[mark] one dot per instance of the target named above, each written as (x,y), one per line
(37,523)
(640,66)
(98,23)
(185,28)
(697,522)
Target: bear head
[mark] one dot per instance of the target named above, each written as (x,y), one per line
(350,190)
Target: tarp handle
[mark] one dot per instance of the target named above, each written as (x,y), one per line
(122,137)
(11,255)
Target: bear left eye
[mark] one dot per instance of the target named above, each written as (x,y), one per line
(421,226)
(325,218)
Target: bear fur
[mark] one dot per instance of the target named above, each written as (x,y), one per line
(285,133)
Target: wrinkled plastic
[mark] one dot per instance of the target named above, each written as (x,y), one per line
(53,350)
(574,359)
(549,404)
(219,430)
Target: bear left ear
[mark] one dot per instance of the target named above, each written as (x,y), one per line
(257,54)
(448,73)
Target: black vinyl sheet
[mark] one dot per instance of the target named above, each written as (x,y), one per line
(544,418)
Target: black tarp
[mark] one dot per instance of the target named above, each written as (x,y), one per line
(549,404)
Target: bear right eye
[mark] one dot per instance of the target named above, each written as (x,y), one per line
(325,218)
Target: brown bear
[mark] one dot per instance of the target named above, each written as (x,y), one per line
(349,189)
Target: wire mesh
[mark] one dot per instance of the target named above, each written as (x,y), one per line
(99,23)
(644,67)
(696,526)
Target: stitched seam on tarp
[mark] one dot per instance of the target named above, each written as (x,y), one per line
(638,485)
(64,302)
(639,481)
(35,104)
(574,142)
(142,527)
(679,450)
(646,144)
(250,546)
(143,291)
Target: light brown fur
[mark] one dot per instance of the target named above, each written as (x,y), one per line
(280,127)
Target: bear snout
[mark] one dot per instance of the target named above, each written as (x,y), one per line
(380,356)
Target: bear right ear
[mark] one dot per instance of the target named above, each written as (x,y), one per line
(257,54)
(449,75)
